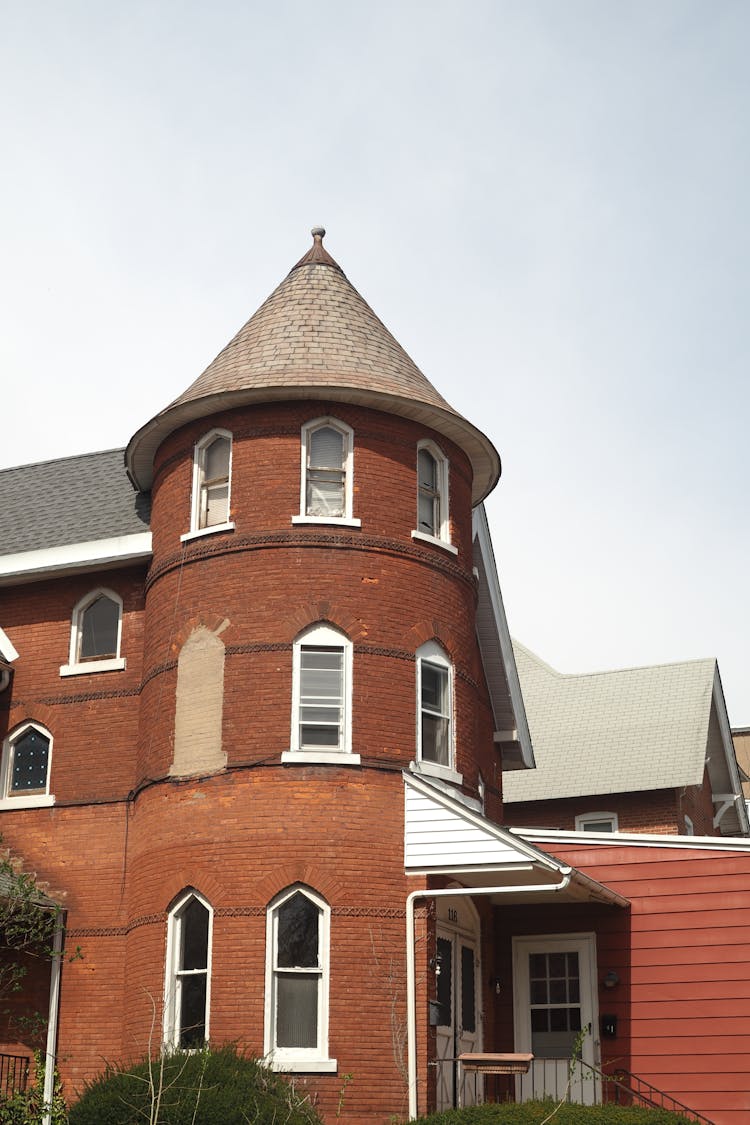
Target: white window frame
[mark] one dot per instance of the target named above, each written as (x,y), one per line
(35,800)
(596,818)
(172,973)
(434,654)
(322,635)
(78,667)
(311,1060)
(443,536)
(309,428)
(196,500)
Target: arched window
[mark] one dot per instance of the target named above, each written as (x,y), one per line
(95,634)
(25,769)
(434,706)
(433,521)
(188,972)
(297,981)
(212,466)
(321,695)
(326,479)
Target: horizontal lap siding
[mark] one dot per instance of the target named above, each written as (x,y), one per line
(690,969)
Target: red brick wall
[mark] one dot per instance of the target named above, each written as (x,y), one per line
(661,811)
(124,839)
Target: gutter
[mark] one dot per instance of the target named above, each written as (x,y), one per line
(53,1019)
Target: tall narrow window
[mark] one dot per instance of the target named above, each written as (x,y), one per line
(326,486)
(95,634)
(434,714)
(432,495)
(25,768)
(321,696)
(211,480)
(297,981)
(186,1001)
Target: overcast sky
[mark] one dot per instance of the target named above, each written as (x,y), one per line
(546,202)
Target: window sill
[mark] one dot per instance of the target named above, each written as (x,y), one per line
(423,538)
(303,1066)
(116,664)
(432,769)
(201,531)
(336,521)
(319,757)
(37,801)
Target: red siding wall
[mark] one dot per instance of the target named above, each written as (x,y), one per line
(688,989)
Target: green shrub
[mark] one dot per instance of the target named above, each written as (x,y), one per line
(533,1113)
(211,1087)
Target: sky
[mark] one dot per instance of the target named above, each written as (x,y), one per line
(544,200)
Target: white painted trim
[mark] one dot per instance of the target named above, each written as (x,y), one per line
(434,769)
(629,839)
(201,531)
(199,468)
(24,800)
(170,1035)
(40,801)
(315,1060)
(336,521)
(423,537)
(432,652)
(320,634)
(81,556)
(7,649)
(729,751)
(348,434)
(585,818)
(319,757)
(482,538)
(114,665)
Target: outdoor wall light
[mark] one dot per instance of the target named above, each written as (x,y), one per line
(495,983)
(611,980)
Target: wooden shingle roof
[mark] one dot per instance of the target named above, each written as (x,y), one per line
(315,337)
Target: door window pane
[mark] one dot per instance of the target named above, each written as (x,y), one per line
(445,981)
(468,1004)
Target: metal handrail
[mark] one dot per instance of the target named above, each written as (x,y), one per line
(650,1095)
(14,1075)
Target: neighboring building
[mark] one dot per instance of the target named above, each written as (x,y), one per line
(741,739)
(652,749)
(257,713)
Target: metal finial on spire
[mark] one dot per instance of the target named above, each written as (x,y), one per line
(318,233)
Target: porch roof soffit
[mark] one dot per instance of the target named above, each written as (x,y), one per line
(512,735)
(443,837)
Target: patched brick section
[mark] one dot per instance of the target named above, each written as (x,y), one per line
(200,706)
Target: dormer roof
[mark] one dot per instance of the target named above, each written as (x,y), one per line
(315,337)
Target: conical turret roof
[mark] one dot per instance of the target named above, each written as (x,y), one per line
(315,337)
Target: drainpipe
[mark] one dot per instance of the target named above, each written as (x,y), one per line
(411,988)
(52,1018)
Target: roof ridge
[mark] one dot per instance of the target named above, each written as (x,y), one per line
(612,671)
(66,457)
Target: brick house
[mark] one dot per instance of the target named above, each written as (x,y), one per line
(258,703)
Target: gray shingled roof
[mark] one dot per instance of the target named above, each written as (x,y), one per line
(612,732)
(315,337)
(72,500)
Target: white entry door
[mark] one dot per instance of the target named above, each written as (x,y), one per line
(458,995)
(555,1000)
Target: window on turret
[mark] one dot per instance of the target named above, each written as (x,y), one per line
(25,768)
(433,523)
(321,696)
(434,707)
(187,981)
(297,985)
(326,479)
(212,464)
(95,634)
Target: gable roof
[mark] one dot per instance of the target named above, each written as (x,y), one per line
(51,505)
(628,730)
(315,337)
